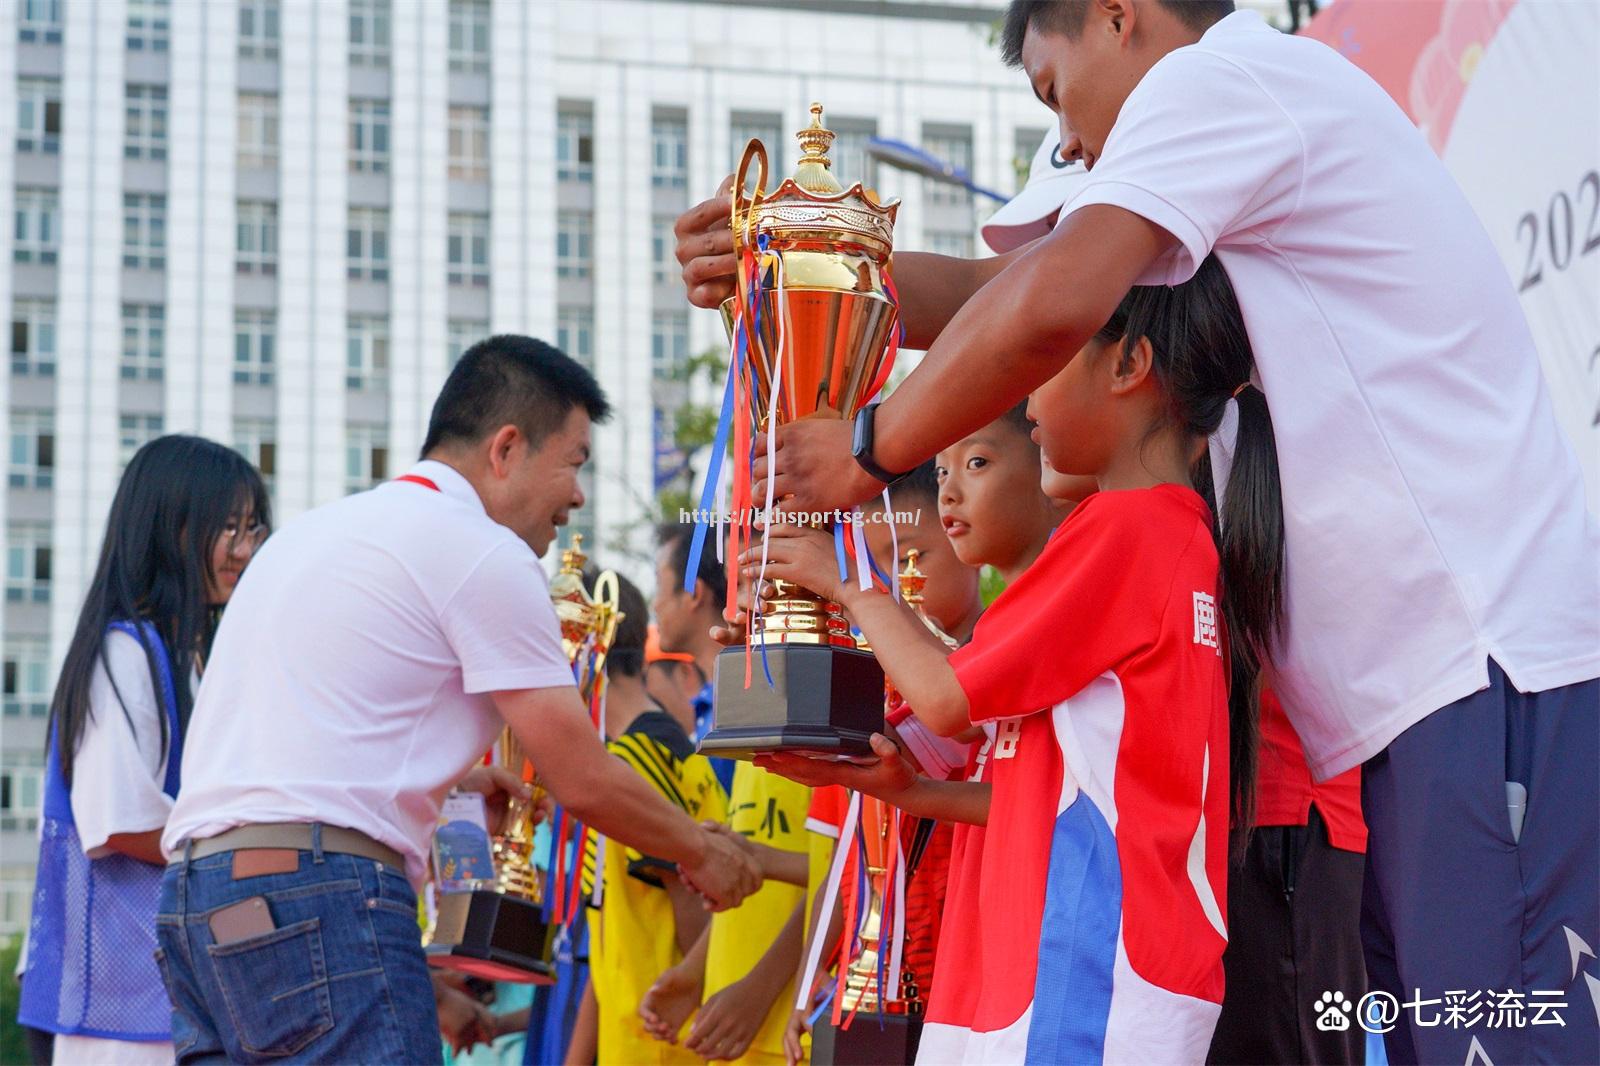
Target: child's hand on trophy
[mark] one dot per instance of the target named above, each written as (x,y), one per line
(797,553)
(885,777)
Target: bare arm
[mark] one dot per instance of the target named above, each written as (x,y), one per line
(585,1042)
(1018,331)
(891,779)
(689,918)
(602,791)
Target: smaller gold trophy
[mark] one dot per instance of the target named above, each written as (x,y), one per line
(496,928)
(895,1040)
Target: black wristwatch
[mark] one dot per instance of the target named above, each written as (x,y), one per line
(861,447)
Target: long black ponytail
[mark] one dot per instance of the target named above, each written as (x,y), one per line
(176,497)
(1201,358)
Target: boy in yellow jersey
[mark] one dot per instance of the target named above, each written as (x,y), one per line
(741,973)
(646,919)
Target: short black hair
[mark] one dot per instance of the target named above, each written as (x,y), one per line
(626,658)
(677,538)
(512,380)
(1067,17)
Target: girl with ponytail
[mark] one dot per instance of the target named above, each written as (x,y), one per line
(1118,751)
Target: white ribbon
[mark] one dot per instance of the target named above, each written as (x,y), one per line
(894,547)
(830,899)
(772,416)
(896,945)
(858,538)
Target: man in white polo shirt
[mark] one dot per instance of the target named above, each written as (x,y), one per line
(1442,614)
(357,675)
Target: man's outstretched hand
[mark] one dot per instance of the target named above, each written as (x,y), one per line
(705,248)
(813,468)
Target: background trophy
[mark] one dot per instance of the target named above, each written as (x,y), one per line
(893,1037)
(817,317)
(500,929)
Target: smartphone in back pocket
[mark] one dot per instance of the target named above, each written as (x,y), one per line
(241,921)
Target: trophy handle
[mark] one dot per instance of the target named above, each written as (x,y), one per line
(743,206)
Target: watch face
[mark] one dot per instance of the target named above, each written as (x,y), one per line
(861,443)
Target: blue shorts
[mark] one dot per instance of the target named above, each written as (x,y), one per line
(1480,936)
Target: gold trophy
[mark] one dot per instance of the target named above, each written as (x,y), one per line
(817,318)
(496,929)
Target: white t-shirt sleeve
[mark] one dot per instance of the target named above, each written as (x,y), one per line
(119,767)
(1203,151)
(502,626)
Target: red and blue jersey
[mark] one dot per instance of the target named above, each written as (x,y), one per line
(1085,923)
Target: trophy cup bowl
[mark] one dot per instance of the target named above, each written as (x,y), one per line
(822,336)
(497,929)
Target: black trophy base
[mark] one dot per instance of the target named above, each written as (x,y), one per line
(866,1042)
(823,700)
(493,936)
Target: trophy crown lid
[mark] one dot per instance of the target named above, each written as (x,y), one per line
(813,173)
(573,559)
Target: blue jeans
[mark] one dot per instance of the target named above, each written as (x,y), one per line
(342,977)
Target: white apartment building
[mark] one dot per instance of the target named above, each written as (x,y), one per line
(276,223)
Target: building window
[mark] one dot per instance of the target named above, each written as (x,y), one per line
(463,334)
(369,33)
(33,338)
(955,149)
(664,267)
(469,36)
(257,440)
(258,131)
(21,795)
(28,562)
(366,457)
(36,233)
(367,244)
(258,29)
(39,115)
(669,342)
(148,25)
(574,146)
(256,243)
(33,450)
(574,244)
(366,352)
(768,129)
(669,153)
(255,342)
(134,432)
(575,333)
(959,245)
(143,341)
(467,248)
(39,21)
(848,154)
(146,133)
(369,136)
(469,143)
(26,687)
(1025,142)
(144,231)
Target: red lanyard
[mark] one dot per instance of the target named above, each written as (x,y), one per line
(417,479)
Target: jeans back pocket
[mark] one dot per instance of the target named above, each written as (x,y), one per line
(276,988)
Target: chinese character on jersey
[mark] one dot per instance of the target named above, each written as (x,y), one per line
(1205,621)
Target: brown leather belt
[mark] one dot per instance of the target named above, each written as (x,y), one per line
(296,836)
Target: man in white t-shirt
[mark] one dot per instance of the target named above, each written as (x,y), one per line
(371,654)
(1442,617)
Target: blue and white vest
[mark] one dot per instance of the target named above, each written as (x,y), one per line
(92,939)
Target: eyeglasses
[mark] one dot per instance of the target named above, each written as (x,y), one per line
(238,535)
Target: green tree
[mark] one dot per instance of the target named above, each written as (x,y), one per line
(13,1044)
